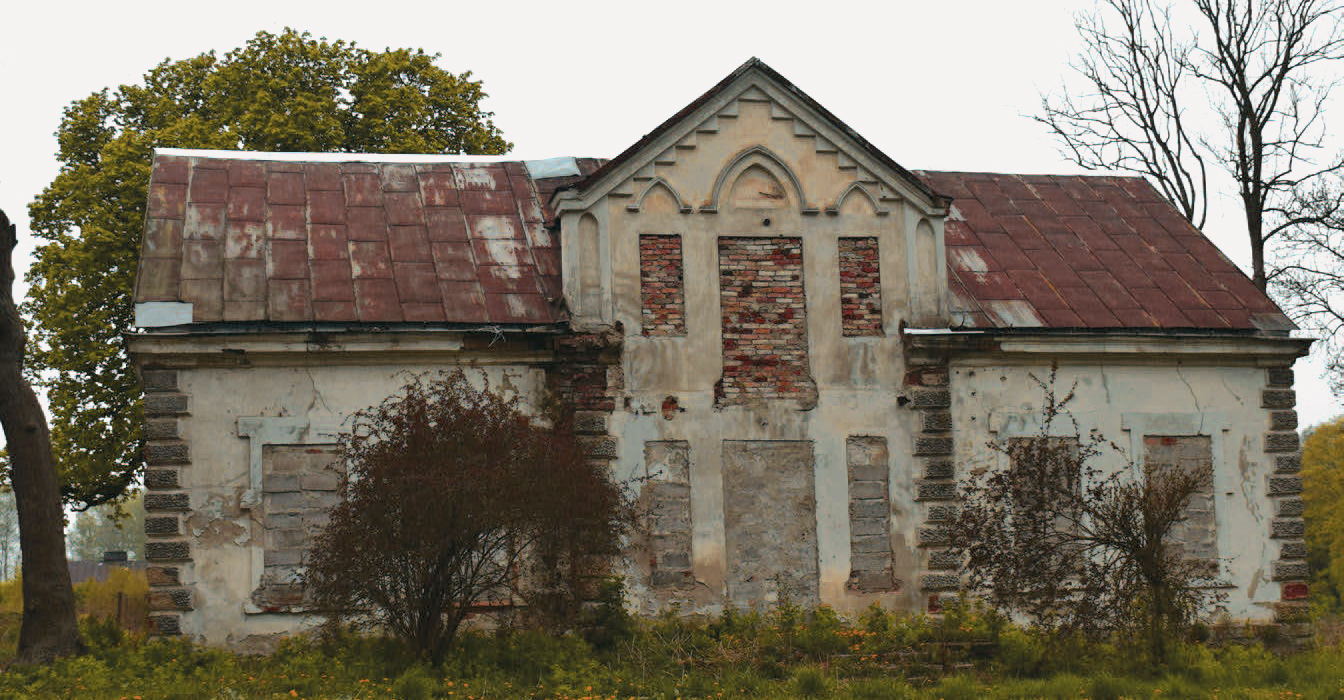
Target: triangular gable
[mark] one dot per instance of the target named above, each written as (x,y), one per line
(638,169)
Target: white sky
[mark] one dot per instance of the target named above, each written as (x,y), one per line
(936,85)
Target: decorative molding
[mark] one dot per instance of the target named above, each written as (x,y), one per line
(773,164)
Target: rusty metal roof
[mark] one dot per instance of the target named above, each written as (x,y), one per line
(352,239)
(1087,252)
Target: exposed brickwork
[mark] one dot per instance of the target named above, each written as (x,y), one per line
(661,285)
(1197,535)
(860,287)
(869,515)
(764,321)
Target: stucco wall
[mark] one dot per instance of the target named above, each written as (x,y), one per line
(1126,399)
(223,525)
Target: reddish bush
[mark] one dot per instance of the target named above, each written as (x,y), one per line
(454,500)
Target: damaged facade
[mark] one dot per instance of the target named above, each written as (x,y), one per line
(798,342)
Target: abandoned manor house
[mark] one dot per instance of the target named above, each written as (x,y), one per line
(801,344)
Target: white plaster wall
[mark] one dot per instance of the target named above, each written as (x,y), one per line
(858,378)
(995,400)
(224,537)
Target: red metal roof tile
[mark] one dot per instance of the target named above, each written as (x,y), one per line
(439,189)
(206,297)
(328,243)
(286,188)
(288,222)
(247,173)
(244,280)
(323,176)
(404,209)
(332,280)
(288,300)
(376,301)
(202,259)
(409,244)
(244,239)
(210,185)
(416,282)
(247,204)
(370,259)
(335,311)
(171,169)
(204,221)
(399,177)
(287,260)
(1109,251)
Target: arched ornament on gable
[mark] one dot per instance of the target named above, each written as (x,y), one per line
(878,209)
(766,160)
(656,182)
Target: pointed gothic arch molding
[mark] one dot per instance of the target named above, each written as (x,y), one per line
(878,209)
(768,161)
(656,182)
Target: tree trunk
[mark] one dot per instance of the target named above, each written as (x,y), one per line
(49,628)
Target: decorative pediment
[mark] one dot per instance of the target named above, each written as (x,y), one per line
(795,124)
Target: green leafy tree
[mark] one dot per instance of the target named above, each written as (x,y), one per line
(106,528)
(280,92)
(1323,492)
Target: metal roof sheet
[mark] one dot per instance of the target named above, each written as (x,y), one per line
(1088,252)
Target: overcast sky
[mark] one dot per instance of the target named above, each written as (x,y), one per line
(936,85)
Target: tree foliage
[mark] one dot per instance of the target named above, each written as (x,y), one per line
(1076,549)
(454,498)
(1323,492)
(279,92)
(108,528)
(1261,63)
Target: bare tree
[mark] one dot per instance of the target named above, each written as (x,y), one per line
(1310,275)
(1131,116)
(1075,548)
(49,629)
(1258,59)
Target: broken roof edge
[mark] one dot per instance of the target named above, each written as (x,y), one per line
(538,168)
(937,198)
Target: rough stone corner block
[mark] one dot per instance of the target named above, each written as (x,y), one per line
(934,537)
(936,491)
(170,599)
(1285,441)
(1291,612)
(590,422)
(165,625)
(165,405)
(163,576)
(603,447)
(167,501)
(939,469)
(1278,399)
(933,446)
(939,582)
(169,453)
(1293,549)
(1283,420)
(1290,571)
(1285,485)
(161,479)
(159,379)
(176,550)
(944,559)
(931,398)
(162,526)
(1284,528)
(1279,376)
(1290,508)
(1288,464)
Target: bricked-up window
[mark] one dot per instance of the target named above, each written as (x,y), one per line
(764,318)
(661,287)
(667,496)
(299,488)
(860,287)
(870,568)
(1197,535)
